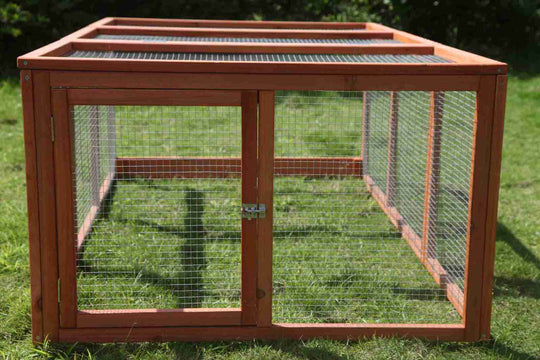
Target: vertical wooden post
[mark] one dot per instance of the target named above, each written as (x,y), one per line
(266,189)
(95,168)
(249,196)
(366,113)
(47,206)
(392,150)
(478,199)
(492,204)
(32,204)
(433,167)
(63,159)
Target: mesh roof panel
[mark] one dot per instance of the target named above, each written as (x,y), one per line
(244,39)
(282,58)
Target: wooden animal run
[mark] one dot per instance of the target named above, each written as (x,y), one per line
(212,180)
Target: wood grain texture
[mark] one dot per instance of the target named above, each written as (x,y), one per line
(277,331)
(65,219)
(249,196)
(47,206)
(148,80)
(136,318)
(32,198)
(478,209)
(153,97)
(259,67)
(492,205)
(266,190)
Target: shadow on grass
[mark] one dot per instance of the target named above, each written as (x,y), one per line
(504,234)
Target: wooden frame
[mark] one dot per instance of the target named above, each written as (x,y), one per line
(50,83)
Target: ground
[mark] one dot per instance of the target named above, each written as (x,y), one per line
(516,314)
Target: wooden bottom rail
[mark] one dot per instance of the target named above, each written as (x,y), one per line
(449,332)
(206,167)
(86,226)
(439,274)
(135,318)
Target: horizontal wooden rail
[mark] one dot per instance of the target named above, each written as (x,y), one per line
(453,291)
(258,33)
(449,332)
(238,23)
(147,80)
(153,97)
(246,48)
(205,167)
(86,227)
(158,317)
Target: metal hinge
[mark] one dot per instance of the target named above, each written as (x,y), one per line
(250,211)
(52,128)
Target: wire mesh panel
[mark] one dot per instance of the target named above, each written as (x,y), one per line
(237,57)
(338,257)
(168,194)
(243,39)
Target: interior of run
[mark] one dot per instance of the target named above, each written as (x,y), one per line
(168,237)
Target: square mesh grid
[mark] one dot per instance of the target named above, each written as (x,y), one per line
(155,38)
(236,57)
(161,240)
(337,256)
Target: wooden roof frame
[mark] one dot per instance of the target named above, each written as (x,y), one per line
(50,57)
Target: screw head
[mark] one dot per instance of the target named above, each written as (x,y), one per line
(26,77)
(25,62)
(37,337)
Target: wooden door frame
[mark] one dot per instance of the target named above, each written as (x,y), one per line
(63,155)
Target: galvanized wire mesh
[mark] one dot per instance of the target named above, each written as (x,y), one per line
(154,38)
(163,239)
(337,256)
(235,57)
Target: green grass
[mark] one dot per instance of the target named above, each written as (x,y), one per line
(516,317)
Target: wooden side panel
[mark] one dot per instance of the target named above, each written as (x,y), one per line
(47,207)
(392,149)
(478,206)
(64,162)
(266,189)
(32,204)
(433,168)
(493,199)
(249,196)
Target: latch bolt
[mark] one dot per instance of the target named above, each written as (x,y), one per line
(251,211)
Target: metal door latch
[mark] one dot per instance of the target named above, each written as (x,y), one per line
(250,211)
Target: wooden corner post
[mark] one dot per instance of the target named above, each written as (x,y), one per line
(34,244)
(47,204)
(478,207)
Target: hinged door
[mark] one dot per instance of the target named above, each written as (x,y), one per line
(149,191)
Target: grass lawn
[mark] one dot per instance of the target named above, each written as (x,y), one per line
(516,317)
